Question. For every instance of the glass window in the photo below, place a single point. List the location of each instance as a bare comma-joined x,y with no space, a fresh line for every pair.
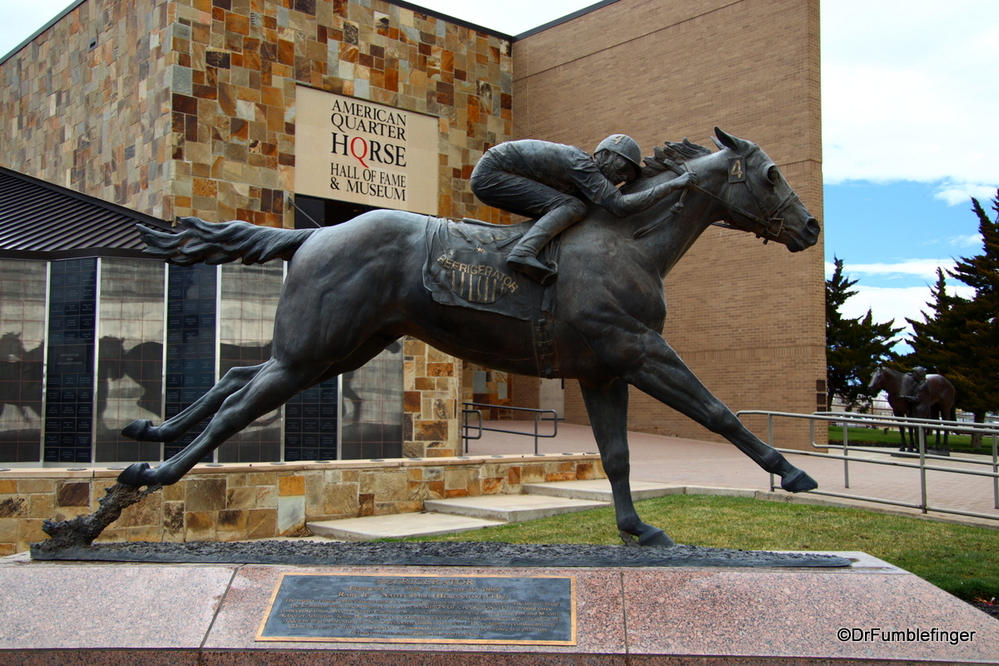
249,297
372,407
129,356
69,403
22,355
191,342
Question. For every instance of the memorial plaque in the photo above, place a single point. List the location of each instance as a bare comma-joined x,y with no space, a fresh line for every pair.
373,608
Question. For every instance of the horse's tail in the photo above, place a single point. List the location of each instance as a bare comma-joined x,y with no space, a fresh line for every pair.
210,243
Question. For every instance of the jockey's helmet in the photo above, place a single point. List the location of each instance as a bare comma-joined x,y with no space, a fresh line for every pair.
625,146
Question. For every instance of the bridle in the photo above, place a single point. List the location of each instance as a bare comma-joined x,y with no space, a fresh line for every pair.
768,227
763,226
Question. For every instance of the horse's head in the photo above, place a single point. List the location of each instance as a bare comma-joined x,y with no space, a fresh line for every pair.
758,198
877,379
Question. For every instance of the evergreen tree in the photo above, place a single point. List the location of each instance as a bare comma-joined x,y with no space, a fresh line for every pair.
960,338
853,346
935,339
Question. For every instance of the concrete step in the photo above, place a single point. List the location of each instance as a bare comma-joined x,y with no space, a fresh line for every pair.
599,490
511,508
397,526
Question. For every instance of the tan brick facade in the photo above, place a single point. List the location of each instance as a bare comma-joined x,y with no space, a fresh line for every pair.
749,320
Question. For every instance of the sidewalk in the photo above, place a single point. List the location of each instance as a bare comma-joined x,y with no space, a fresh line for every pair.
688,462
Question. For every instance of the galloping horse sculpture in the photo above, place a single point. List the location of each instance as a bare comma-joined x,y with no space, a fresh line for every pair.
354,288
932,397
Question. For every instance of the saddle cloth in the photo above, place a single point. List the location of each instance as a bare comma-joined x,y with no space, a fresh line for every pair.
466,266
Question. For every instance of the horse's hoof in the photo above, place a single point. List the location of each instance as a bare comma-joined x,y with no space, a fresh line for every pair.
798,481
137,430
653,536
656,537
136,475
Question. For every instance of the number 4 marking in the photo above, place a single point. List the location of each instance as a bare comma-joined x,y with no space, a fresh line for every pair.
735,172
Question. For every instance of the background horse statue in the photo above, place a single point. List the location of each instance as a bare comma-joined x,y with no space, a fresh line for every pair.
912,394
353,289
897,385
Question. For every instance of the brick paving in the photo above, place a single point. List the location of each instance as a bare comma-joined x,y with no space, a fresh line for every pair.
691,462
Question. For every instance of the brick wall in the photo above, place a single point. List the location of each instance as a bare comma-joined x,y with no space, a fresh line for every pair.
238,502
749,320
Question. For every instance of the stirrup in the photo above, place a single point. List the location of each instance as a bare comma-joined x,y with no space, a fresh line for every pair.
532,268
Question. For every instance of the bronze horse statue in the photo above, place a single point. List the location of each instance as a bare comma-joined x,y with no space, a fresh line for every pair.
353,289
918,396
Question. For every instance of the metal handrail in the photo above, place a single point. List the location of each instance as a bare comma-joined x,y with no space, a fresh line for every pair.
920,425
538,418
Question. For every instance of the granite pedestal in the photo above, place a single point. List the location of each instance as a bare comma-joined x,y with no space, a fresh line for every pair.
209,614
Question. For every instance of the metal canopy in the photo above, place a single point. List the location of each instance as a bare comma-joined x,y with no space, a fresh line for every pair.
39,220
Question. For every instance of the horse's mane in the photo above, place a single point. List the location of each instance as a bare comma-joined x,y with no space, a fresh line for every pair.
671,156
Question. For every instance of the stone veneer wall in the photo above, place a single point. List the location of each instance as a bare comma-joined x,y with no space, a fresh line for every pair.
749,320
238,502
187,107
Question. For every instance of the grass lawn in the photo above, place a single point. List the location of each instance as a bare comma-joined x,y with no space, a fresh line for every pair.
891,438
960,559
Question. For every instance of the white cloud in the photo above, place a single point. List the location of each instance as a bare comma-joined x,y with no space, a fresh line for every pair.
887,304
955,194
970,240
925,269
908,93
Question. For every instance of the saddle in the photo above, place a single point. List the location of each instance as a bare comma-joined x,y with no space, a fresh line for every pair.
466,267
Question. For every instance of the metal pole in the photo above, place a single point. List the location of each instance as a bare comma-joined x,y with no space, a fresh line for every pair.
846,452
995,479
536,414
770,441
922,466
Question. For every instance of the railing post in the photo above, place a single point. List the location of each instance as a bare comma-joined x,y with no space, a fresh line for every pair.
995,470
770,441
846,452
922,466
465,427
536,417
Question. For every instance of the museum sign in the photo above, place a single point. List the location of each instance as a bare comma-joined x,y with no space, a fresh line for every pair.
358,151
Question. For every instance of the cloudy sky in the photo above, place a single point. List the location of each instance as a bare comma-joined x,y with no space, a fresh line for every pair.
910,93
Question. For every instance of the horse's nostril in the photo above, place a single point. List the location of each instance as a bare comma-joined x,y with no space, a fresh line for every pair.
812,225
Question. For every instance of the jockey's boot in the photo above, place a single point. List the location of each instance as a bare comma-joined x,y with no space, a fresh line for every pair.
524,257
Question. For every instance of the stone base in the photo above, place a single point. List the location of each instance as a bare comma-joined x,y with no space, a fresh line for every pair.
85,613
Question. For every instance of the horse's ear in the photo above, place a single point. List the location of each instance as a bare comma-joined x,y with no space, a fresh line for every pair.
736,145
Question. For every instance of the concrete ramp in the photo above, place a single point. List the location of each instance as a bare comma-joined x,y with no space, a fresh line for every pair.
463,514
397,526
599,490
511,508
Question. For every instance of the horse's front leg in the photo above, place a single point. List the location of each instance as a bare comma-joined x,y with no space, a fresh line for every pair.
607,406
645,361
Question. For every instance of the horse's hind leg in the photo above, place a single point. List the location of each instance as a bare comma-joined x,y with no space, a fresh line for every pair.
272,385
607,407
170,430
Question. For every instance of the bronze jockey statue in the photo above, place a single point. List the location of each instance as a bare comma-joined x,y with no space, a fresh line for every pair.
553,182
